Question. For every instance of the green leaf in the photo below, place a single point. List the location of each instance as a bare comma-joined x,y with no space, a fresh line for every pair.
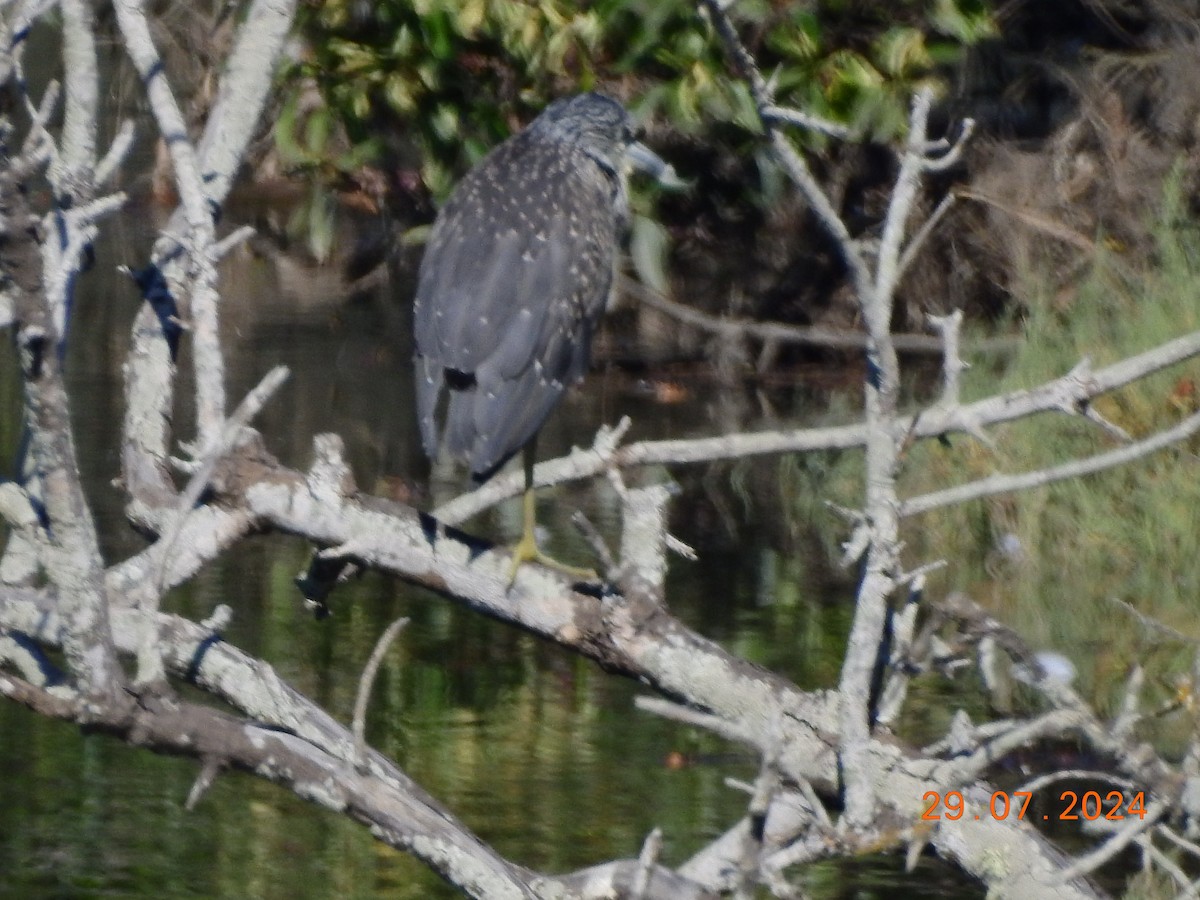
321,225
901,52
648,247
439,36
400,94
291,152
965,20
444,123
317,130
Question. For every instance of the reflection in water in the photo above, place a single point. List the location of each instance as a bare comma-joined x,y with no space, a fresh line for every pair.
537,750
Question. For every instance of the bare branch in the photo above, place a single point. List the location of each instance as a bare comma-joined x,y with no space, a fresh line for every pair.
365,684
203,470
398,815
644,539
122,142
595,540
1169,833
245,84
1093,415
788,116
198,244
687,716
1036,784
209,770
1003,484
913,250
71,554
877,304
232,240
39,145
1066,392
1152,856
814,335
149,376
949,326
647,859
793,163
150,666
73,173
594,460
1089,862
952,154
966,769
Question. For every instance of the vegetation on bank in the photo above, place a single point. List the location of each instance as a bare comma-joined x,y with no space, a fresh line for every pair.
1075,564
1057,562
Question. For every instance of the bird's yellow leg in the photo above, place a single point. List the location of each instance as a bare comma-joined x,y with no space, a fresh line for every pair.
526,549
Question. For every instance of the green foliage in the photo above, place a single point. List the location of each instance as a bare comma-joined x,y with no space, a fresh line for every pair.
455,76
442,71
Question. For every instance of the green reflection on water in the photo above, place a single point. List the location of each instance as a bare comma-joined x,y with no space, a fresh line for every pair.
538,751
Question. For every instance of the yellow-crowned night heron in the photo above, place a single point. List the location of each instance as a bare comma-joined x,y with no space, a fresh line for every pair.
516,273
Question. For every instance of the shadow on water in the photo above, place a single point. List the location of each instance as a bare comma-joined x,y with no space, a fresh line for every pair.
537,750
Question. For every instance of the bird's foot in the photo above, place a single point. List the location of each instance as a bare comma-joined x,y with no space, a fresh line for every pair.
526,550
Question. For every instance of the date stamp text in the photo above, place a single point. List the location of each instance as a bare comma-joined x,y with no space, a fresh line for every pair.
1113,806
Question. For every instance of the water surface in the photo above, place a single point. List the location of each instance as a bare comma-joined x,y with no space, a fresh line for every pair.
537,750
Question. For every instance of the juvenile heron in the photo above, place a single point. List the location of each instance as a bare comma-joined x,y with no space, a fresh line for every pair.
516,273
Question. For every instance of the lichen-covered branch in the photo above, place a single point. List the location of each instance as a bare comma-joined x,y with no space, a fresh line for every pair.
821,750
207,176
39,258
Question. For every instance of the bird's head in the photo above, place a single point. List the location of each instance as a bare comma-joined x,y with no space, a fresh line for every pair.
602,128
597,124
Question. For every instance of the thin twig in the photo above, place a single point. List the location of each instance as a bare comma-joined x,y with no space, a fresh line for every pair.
917,242
647,859
1005,484
949,327
596,541
1152,624
965,769
1036,784
234,239
1160,859
802,335
1034,220
121,144
250,407
687,716
151,668
789,116
1182,843
793,163
1089,862
365,683
1130,713
209,770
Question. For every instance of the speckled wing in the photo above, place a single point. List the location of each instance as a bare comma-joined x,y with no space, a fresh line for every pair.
516,273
